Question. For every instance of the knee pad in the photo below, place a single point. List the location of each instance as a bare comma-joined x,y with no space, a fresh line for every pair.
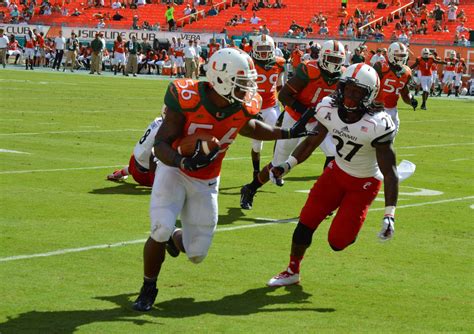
197,259
302,235
257,145
160,233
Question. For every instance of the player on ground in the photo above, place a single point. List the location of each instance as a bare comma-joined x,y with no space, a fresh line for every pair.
394,79
459,70
424,64
351,182
187,186
269,81
142,163
313,81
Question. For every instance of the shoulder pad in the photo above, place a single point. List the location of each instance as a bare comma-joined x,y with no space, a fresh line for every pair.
182,94
385,130
280,61
313,69
253,107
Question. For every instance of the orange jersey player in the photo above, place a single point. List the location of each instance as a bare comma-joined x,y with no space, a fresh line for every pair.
394,79
269,80
425,66
449,74
312,81
459,70
188,186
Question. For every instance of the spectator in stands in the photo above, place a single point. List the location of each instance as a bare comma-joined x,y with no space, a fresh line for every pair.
116,5
76,12
295,26
101,24
140,3
463,41
241,19
117,16
278,4
438,14
146,25
350,30
344,3
461,28
309,29
255,6
169,15
187,10
382,5
445,29
213,11
255,19
342,28
461,17
437,26
64,11
323,30
135,25
265,30
14,15
452,13
244,5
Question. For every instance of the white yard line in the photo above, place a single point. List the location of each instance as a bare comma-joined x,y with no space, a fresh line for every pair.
3,150
67,132
462,159
438,120
57,169
269,221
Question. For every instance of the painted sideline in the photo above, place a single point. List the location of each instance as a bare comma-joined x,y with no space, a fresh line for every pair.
265,222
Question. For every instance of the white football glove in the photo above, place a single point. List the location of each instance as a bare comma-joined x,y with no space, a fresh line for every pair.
388,228
277,173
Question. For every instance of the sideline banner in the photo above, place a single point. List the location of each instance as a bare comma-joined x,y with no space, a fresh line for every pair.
22,29
111,34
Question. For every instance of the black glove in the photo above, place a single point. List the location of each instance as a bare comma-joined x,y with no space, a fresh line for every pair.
299,128
199,160
414,103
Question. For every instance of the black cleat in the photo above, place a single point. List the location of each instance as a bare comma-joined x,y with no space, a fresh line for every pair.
246,197
146,298
423,107
171,247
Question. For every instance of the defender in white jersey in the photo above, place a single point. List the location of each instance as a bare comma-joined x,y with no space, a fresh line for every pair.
351,182
142,163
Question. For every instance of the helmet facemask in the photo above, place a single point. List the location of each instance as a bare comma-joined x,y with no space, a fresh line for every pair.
263,52
244,87
331,63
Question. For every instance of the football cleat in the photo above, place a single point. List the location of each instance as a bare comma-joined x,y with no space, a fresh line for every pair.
284,278
145,300
170,245
246,197
117,176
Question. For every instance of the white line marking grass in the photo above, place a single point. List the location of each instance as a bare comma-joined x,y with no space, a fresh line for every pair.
67,132
4,150
462,159
56,170
268,222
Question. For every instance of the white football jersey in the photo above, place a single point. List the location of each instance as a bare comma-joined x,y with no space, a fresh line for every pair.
142,150
355,153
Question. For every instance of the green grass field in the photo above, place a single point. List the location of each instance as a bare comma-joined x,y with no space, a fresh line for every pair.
82,236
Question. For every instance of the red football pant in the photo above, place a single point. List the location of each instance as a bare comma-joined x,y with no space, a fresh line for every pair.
337,189
143,178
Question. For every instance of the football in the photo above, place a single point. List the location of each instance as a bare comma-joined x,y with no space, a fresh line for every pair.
188,144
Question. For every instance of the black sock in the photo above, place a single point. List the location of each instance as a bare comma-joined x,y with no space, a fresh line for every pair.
256,165
149,281
255,184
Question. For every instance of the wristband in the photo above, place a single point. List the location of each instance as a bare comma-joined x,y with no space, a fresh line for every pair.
390,211
178,160
292,162
299,107
285,133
